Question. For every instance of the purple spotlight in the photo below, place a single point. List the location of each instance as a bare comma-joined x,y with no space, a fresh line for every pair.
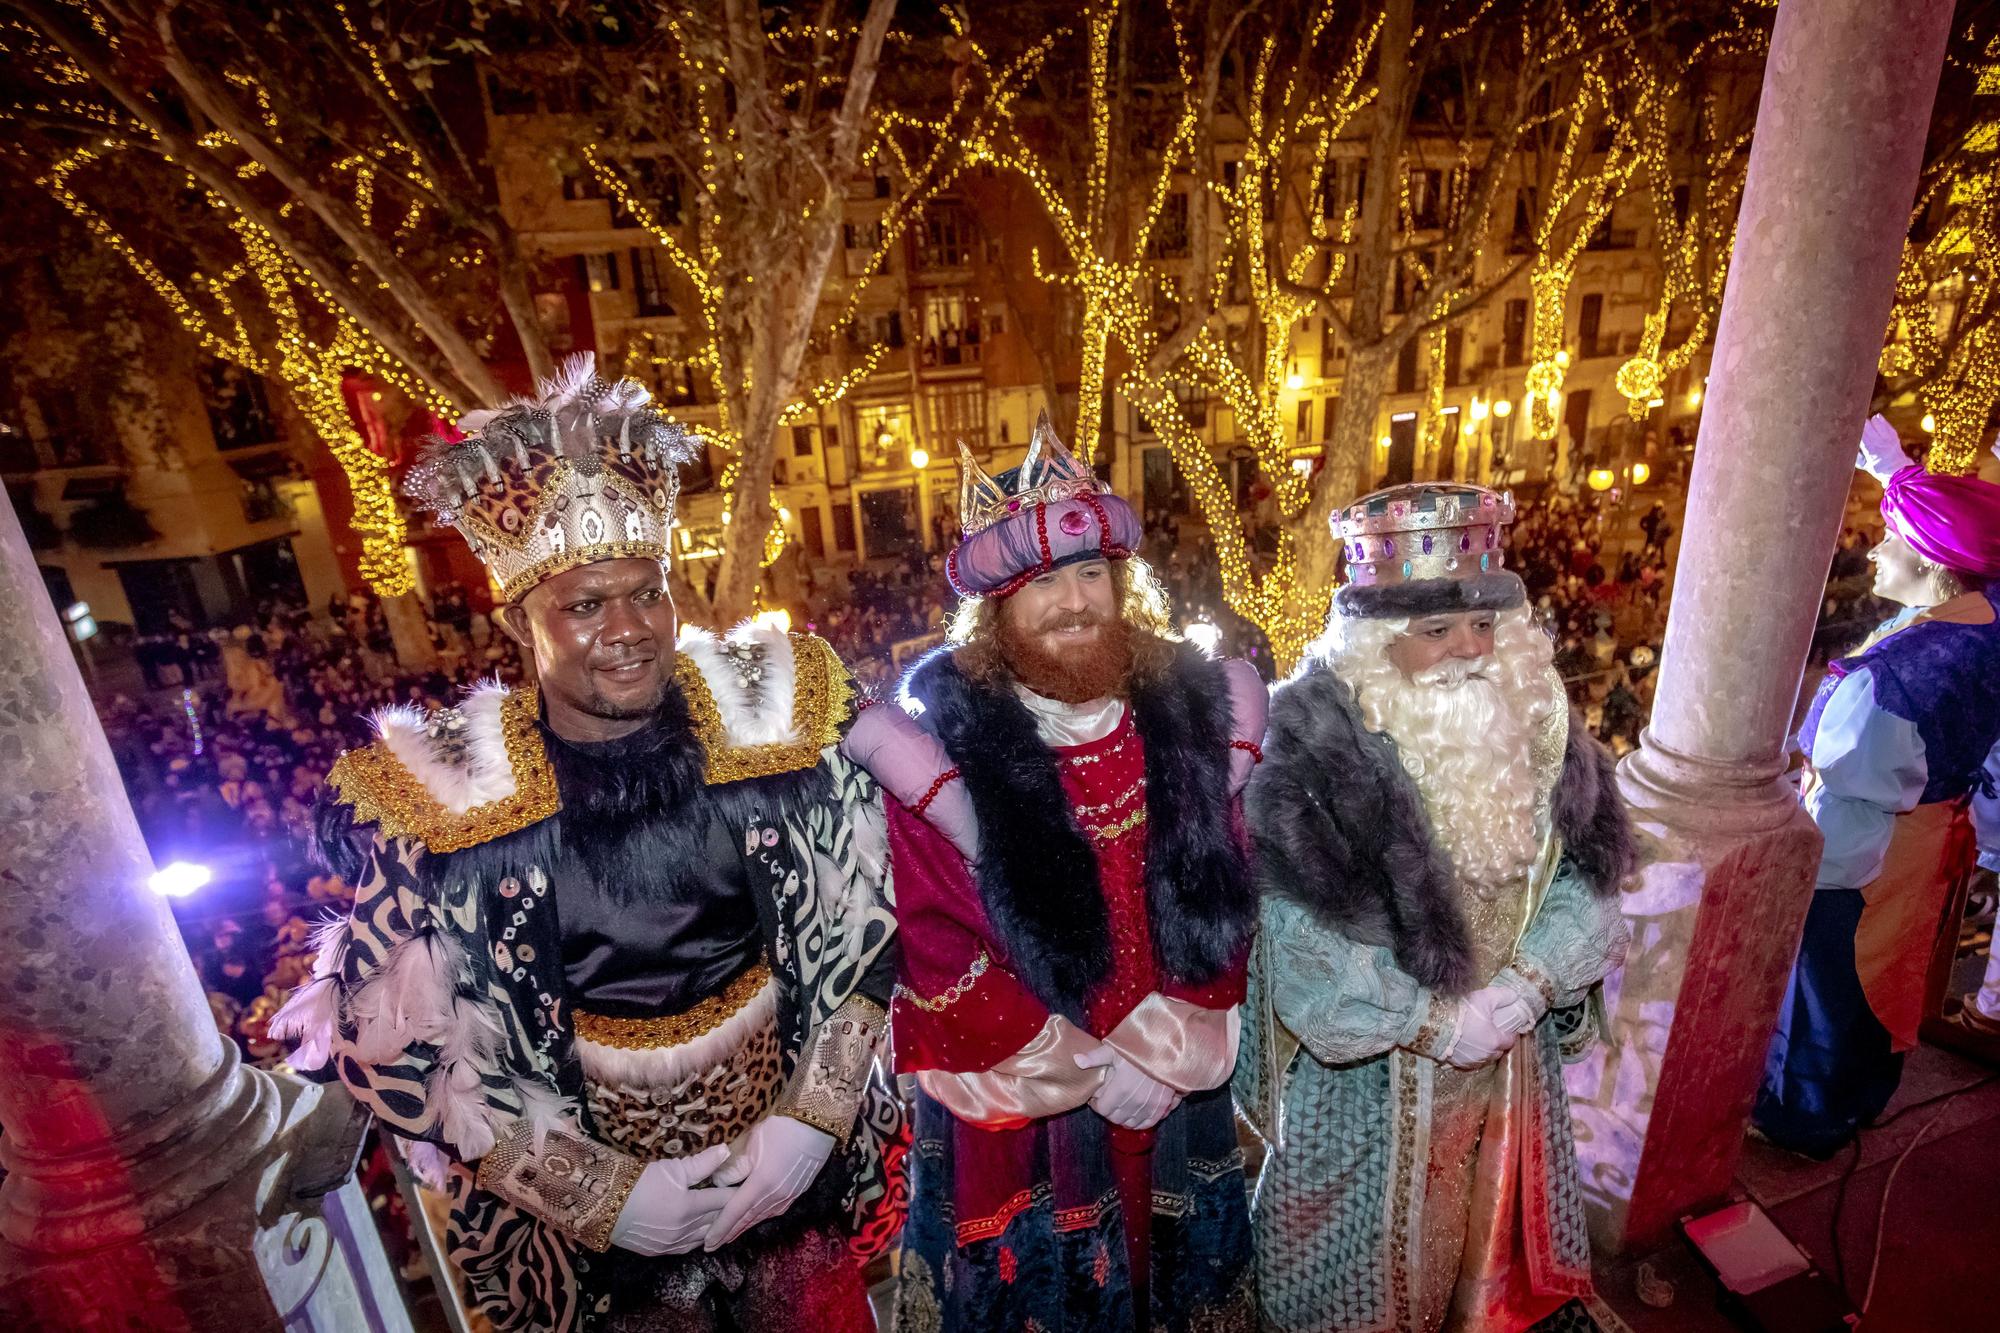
180,879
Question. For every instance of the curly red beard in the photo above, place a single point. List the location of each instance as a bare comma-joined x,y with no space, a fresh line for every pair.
1072,675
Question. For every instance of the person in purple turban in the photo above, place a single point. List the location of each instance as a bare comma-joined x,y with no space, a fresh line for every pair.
1902,747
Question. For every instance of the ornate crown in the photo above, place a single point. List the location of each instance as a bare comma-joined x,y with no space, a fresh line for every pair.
1050,511
584,471
1050,473
1429,530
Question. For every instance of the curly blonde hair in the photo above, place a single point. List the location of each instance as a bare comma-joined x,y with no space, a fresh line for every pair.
974,628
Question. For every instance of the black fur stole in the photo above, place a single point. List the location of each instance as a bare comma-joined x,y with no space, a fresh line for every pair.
632,810
1037,874
1340,828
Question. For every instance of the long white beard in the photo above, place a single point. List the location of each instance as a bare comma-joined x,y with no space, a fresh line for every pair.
1463,730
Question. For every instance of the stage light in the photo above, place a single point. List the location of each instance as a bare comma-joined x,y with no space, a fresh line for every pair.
180,879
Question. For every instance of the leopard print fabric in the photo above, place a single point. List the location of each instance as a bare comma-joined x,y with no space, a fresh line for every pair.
715,1106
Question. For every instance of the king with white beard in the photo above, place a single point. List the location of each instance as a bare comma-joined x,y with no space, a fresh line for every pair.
1440,851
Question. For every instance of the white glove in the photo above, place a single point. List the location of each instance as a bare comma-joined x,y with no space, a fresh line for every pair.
1129,1096
665,1213
773,1164
1512,1014
1882,453
1480,1040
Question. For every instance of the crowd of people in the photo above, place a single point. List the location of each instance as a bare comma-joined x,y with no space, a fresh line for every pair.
224,762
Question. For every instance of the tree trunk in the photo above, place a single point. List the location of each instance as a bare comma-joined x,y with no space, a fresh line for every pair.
375,254
407,630
518,293
765,327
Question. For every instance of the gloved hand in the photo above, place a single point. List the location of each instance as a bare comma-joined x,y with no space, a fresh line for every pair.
1505,1007
666,1213
772,1164
1480,1041
1129,1096
1882,453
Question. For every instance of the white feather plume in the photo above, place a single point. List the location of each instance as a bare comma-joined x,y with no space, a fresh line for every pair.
570,384
472,1037
328,944
429,1163
457,1105
408,999
545,1109
309,1018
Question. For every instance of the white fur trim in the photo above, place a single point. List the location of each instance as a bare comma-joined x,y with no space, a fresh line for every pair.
672,1065
756,713
481,776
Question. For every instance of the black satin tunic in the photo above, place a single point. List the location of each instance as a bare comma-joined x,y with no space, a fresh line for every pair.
646,954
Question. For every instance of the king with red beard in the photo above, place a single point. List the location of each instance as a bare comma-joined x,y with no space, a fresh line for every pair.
1075,910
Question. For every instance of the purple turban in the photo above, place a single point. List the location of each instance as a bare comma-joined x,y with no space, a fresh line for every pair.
1949,521
996,561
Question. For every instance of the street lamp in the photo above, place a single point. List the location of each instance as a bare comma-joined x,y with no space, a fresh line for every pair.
920,458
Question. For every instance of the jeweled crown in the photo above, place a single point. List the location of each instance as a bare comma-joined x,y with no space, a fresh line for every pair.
1425,530
1049,473
586,470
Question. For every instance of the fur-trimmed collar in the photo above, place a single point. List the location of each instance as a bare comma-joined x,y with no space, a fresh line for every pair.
1034,860
762,702
1340,828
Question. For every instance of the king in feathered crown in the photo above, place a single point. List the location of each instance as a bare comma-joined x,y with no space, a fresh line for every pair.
583,471
1048,512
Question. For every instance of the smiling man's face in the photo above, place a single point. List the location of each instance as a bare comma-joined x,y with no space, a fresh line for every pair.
1062,636
603,640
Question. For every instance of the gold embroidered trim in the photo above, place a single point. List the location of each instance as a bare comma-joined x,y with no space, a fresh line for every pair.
575,1184
1113,832
952,993
652,1034
821,699
382,789
1525,967
1437,1031
564,561
826,1089
1114,802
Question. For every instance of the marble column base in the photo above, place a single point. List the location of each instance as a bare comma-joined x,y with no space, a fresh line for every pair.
262,1252
1716,911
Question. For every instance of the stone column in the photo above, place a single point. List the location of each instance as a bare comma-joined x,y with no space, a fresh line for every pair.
1730,857
147,1168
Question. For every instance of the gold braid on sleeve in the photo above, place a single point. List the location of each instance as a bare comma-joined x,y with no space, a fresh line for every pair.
575,1184
825,1090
